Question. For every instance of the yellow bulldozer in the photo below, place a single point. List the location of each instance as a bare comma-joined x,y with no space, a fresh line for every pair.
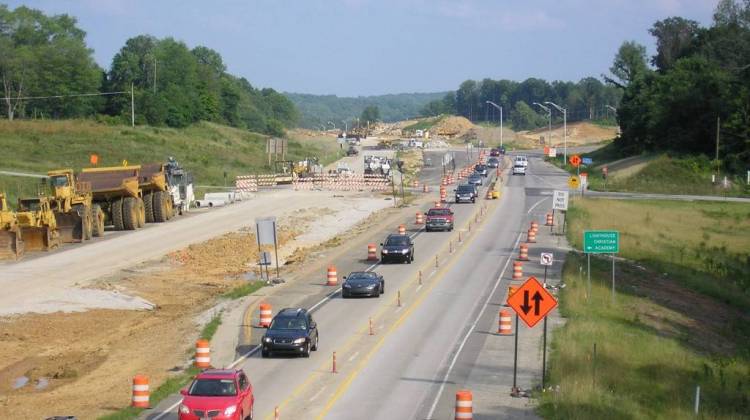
78,219
37,223
11,241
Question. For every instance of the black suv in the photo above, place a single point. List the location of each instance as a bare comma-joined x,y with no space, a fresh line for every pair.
292,331
397,248
466,193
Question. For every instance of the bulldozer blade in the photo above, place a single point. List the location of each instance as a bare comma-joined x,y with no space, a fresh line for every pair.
39,238
70,227
11,245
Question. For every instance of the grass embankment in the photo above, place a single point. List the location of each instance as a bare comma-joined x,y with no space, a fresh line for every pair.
424,123
680,318
207,150
660,174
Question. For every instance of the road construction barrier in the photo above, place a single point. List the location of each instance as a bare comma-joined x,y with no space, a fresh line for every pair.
420,218
401,230
332,276
415,183
550,220
372,252
444,181
425,188
141,393
489,194
341,182
245,184
531,236
333,364
437,205
266,315
443,194
517,270
464,406
535,227
504,327
523,252
202,354
276,413
512,290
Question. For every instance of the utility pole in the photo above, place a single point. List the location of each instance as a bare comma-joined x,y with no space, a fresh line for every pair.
718,126
565,128
132,105
549,118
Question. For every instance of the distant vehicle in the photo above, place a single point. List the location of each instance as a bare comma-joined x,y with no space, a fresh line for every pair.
352,151
502,150
475,179
292,331
219,394
493,162
397,248
466,193
481,169
439,219
519,169
495,152
521,159
363,283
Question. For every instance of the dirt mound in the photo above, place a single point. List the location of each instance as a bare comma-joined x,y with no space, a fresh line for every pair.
452,126
579,134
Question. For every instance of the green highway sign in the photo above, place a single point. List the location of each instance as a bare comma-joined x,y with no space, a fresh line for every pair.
601,241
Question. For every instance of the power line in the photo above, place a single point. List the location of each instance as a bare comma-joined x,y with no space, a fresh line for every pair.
26,98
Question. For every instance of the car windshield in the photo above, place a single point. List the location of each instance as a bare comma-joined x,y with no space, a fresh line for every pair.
213,388
439,212
465,188
397,241
492,160
519,165
285,323
361,275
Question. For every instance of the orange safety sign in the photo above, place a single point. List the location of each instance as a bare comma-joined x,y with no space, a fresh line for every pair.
532,302
94,159
575,160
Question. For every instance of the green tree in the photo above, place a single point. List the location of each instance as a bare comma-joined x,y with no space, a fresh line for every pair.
629,64
524,118
675,37
371,114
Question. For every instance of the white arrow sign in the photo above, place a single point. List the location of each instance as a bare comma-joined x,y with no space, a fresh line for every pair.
546,258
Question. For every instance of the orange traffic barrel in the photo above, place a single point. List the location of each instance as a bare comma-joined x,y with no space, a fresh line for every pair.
415,184
401,230
531,236
437,204
464,409
140,392
523,252
489,194
332,276
517,270
504,327
420,218
372,252
202,354
425,188
535,227
266,314
550,220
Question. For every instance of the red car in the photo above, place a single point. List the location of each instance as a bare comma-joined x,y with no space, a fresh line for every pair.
219,394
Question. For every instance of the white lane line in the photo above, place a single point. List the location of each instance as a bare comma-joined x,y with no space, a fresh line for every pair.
476,320
354,356
317,394
419,287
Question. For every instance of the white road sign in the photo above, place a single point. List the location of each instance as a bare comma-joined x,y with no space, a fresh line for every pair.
546,258
552,152
560,200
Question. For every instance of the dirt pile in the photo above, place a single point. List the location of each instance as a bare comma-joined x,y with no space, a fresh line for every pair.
452,126
579,134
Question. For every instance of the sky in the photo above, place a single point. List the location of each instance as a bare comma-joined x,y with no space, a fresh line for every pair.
368,47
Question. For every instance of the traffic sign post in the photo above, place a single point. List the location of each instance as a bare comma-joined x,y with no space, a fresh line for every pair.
601,242
559,202
546,260
532,302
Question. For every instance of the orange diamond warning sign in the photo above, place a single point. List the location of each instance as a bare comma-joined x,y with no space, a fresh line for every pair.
532,302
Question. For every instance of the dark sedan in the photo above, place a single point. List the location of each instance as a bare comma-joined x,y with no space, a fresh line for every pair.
493,162
481,169
475,179
397,248
363,283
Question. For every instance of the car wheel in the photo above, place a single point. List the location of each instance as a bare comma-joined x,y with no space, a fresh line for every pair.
344,295
315,346
306,353
473,200
265,354
382,289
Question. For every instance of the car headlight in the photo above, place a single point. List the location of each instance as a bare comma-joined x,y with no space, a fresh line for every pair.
371,286
385,251
299,340
230,410
404,251
184,409
267,339
347,285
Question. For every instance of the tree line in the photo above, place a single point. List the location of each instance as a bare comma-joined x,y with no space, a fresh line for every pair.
172,85
587,99
695,89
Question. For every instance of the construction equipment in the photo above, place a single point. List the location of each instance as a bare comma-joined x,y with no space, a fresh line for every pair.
117,192
37,224
308,167
11,241
77,218
180,184
156,197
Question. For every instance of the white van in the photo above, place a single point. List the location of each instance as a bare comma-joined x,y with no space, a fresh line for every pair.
521,160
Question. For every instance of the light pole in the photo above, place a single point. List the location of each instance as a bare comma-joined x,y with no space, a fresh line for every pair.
565,128
334,125
615,111
501,120
549,119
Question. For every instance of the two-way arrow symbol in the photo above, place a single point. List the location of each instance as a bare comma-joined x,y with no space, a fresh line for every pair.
537,298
